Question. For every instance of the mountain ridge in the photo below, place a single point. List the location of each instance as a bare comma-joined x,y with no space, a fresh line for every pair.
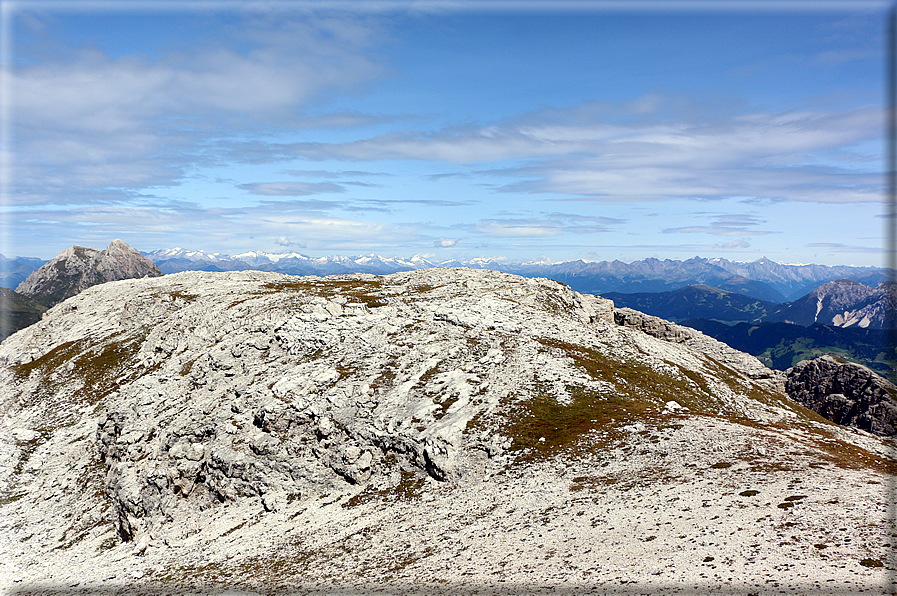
839,303
763,279
842,303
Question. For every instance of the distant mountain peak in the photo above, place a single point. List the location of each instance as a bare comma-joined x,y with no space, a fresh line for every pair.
78,268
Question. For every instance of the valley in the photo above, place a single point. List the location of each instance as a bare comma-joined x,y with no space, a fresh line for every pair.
843,318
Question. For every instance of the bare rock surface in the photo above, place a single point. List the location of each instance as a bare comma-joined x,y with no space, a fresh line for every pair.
846,393
443,430
78,268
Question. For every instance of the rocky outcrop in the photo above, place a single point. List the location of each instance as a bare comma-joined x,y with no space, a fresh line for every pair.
845,393
78,268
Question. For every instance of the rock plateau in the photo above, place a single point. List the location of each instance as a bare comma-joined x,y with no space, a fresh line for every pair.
439,431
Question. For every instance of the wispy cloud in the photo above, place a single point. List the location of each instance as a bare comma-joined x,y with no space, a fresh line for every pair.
848,55
239,228
293,189
725,224
847,248
654,148
428,202
331,174
554,224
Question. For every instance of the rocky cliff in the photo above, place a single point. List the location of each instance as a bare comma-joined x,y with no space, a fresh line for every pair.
451,431
845,393
78,268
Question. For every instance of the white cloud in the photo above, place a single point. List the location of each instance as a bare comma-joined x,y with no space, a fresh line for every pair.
740,243
446,242
845,248
682,152
92,121
553,224
218,229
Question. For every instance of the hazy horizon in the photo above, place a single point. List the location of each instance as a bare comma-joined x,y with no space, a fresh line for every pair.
435,258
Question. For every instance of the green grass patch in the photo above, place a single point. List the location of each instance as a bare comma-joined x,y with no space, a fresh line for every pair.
103,371
97,364
543,424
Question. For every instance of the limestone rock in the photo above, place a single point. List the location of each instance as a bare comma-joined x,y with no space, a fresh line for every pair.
455,425
717,350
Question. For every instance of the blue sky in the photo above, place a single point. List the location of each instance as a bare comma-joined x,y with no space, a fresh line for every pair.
454,130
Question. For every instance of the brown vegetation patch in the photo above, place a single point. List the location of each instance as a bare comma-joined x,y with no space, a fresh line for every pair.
542,424
365,291
410,487
49,361
178,295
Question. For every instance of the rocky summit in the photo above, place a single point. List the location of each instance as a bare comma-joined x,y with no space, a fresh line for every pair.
436,431
78,268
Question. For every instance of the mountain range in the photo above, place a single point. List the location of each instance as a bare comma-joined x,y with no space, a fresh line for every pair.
840,303
14,271
762,279
844,318
439,431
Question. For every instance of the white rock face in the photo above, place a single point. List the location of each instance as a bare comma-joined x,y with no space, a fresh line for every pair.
441,429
